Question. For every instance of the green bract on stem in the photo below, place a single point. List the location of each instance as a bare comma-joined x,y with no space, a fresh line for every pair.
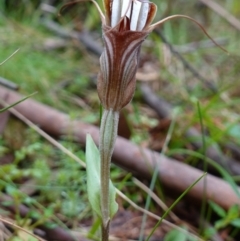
108,135
125,25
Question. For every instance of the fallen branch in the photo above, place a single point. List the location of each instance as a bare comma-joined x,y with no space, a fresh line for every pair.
140,161
164,110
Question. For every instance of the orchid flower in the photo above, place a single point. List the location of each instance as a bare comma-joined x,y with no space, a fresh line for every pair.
125,25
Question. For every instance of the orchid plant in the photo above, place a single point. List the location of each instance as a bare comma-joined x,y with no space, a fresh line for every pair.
125,25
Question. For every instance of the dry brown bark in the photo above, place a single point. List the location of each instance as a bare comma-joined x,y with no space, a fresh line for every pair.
140,161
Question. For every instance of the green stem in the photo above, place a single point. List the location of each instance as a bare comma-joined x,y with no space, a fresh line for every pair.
108,135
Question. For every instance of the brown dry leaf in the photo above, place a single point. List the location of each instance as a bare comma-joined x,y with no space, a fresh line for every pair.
158,134
148,72
127,225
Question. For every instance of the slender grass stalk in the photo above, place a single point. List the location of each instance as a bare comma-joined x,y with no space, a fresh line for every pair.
174,204
4,61
205,165
12,105
154,178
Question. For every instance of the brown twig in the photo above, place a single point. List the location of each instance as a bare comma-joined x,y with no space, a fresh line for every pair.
8,83
191,47
222,12
140,161
20,228
186,64
85,38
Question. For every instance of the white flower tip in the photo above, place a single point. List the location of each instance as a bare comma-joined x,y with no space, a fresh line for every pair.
135,10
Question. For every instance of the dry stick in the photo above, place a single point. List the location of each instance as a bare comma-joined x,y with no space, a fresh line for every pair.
156,199
85,38
164,110
8,83
22,229
186,64
5,232
140,161
171,225
203,44
222,12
